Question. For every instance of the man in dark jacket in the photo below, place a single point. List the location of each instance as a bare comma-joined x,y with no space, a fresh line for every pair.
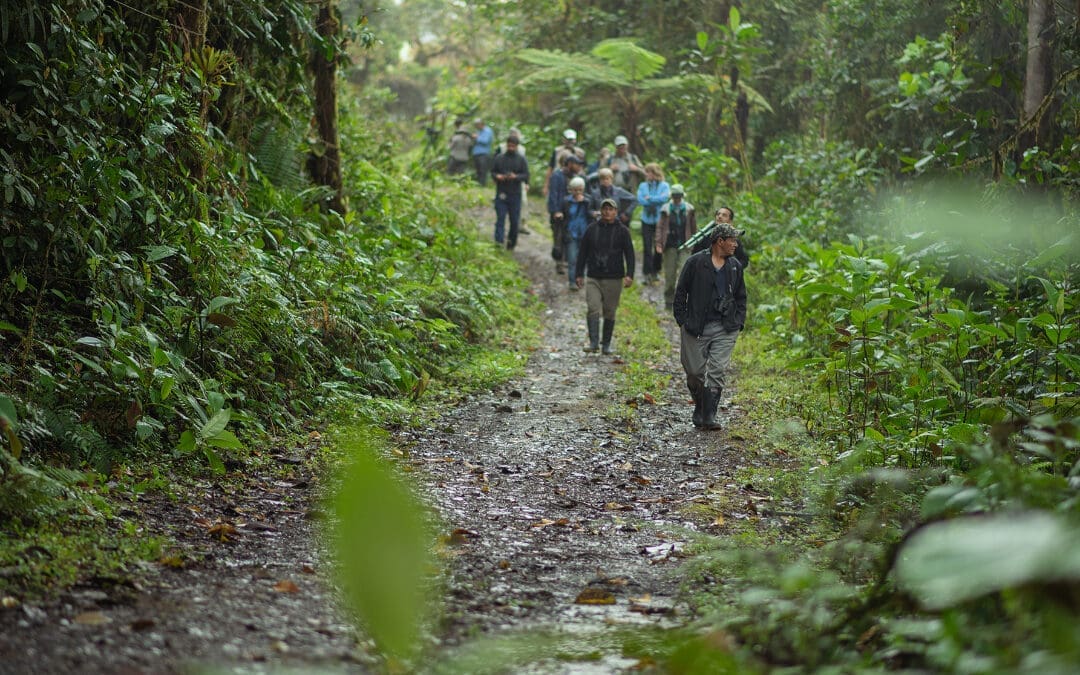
710,306
607,255
510,172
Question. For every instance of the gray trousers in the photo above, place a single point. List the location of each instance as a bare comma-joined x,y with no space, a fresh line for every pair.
602,297
706,358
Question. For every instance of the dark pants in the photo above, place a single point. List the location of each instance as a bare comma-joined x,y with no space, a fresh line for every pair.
649,263
482,164
508,203
558,238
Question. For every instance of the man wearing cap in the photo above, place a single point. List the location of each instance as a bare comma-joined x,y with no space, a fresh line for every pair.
625,166
607,258
678,222
558,191
510,171
559,155
710,307
483,139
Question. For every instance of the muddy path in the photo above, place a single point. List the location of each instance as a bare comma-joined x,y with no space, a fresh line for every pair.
560,512
557,514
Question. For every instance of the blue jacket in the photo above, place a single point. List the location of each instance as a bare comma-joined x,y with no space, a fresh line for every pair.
652,195
577,216
558,189
484,139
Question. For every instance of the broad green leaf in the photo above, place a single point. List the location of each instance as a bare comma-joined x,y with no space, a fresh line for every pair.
1070,361
216,465
187,442
734,19
225,439
91,341
958,560
167,387
702,40
11,328
383,547
215,425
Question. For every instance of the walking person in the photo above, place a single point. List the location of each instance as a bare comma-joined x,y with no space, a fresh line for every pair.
460,149
710,308
558,190
606,189
576,212
605,266
558,156
483,139
678,222
651,195
510,171
625,165
725,215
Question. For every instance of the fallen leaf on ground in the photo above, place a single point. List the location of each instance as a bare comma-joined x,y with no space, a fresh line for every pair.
222,531
286,586
92,619
594,596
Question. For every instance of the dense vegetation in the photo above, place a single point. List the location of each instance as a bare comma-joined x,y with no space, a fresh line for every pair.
175,282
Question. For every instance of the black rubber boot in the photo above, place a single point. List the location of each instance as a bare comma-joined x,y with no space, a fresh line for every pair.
710,400
605,342
593,322
699,407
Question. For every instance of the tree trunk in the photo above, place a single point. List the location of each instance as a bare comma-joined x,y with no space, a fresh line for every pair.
325,163
1039,76
189,31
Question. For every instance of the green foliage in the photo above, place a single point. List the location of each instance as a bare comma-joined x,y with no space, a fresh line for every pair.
383,546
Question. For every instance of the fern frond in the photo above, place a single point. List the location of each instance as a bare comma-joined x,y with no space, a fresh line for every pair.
634,62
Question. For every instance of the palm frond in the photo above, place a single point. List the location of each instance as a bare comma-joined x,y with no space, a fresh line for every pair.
557,66
634,62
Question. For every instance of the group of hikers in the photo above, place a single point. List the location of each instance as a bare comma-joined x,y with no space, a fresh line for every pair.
590,212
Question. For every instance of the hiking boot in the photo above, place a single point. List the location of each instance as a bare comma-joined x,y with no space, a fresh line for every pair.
710,399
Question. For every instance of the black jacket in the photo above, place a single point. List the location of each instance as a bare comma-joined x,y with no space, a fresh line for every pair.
510,163
696,290
607,250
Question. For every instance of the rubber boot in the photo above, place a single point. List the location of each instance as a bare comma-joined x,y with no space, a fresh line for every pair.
710,400
699,407
593,322
605,343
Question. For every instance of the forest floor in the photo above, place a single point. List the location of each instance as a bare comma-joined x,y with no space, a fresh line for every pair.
561,512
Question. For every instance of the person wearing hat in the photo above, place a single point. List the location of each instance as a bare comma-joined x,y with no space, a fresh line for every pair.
605,266
558,155
725,215
483,139
710,307
678,222
511,172
625,166
558,190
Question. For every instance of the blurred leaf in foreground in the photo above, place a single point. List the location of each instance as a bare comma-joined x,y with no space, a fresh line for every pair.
383,547
957,560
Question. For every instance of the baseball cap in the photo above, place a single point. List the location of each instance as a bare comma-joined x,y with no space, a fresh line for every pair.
621,140
678,189
726,231
609,202
570,135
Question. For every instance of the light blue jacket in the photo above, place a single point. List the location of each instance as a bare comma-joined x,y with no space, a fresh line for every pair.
484,139
652,195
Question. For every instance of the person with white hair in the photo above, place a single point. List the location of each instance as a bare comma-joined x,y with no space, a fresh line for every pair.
576,216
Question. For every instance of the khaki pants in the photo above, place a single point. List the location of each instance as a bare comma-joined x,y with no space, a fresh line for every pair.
602,297
674,259
705,359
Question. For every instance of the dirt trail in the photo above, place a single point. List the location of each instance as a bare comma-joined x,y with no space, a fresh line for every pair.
544,499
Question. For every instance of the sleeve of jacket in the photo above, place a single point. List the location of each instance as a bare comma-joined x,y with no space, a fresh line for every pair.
584,251
680,302
555,189
691,222
738,287
628,251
